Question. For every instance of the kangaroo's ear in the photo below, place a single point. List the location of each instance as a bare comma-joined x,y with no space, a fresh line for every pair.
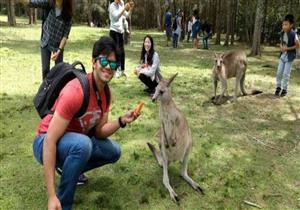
172,79
215,54
223,55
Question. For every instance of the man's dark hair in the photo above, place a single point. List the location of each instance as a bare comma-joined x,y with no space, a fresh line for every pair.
289,18
104,46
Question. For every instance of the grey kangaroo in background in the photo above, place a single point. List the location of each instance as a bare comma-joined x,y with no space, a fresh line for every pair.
228,65
175,143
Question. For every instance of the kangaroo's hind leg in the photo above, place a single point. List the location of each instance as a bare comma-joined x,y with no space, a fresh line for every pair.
242,84
166,181
185,175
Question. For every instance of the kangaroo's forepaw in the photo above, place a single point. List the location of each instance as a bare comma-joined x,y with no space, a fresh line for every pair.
174,144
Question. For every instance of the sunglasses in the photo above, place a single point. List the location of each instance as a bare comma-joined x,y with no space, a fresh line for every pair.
114,65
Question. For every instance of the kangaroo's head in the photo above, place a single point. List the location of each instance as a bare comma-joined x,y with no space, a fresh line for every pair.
163,90
218,61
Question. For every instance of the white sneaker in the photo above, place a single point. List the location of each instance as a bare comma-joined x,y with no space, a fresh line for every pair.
123,73
118,74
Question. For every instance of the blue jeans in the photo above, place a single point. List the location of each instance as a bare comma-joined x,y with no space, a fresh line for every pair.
175,40
205,40
77,153
283,72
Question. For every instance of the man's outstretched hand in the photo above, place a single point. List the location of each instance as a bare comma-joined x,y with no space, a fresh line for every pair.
129,117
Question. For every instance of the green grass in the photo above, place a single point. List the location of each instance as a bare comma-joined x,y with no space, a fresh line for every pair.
226,160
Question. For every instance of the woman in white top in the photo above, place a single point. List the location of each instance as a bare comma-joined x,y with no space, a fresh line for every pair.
117,12
189,28
149,69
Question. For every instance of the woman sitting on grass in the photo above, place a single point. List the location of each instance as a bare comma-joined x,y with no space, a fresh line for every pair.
149,71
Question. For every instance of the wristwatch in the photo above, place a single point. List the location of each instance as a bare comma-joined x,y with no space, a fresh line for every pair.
122,125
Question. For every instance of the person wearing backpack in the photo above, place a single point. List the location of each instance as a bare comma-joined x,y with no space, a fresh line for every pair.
177,28
206,28
195,31
77,144
289,43
57,21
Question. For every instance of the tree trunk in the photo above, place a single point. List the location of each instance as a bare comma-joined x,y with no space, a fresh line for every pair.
87,10
11,17
233,21
158,15
218,23
247,25
174,5
228,22
264,22
260,9
214,15
32,16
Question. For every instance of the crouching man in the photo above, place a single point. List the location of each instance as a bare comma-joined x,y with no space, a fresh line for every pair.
62,141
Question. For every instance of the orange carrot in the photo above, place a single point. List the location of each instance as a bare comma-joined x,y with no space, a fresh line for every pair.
137,110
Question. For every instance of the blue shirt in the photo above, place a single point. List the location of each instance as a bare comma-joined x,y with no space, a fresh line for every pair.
168,19
196,27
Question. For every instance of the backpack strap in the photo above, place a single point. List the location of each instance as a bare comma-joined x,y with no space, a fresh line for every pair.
86,93
76,63
106,92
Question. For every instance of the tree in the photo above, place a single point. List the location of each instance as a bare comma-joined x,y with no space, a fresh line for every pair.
256,40
32,15
158,14
228,22
11,17
218,22
233,20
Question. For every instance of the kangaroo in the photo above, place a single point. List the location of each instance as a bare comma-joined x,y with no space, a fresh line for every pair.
228,65
175,143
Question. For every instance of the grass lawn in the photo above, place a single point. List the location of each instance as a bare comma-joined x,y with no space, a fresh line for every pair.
248,150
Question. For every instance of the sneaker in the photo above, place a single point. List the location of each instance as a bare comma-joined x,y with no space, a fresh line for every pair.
82,179
277,92
118,74
123,73
283,93
58,170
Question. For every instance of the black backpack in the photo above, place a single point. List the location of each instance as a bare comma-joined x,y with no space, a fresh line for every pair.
174,26
54,82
